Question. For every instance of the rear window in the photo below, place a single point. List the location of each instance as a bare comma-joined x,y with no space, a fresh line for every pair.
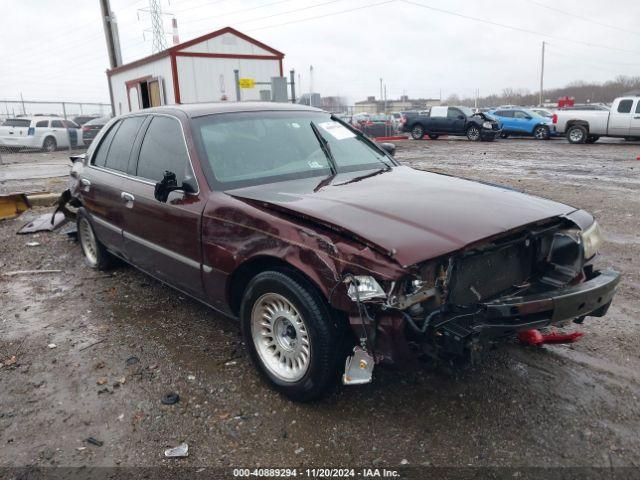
120,150
100,157
57,124
17,122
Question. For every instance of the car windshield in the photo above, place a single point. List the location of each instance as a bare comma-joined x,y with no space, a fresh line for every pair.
253,148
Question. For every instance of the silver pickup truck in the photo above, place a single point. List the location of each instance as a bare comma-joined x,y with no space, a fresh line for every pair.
587,126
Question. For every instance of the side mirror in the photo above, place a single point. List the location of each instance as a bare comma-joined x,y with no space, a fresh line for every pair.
165,186
390,148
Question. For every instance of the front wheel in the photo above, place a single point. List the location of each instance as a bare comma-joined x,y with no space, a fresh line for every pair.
504,135
291,335
473,133
577,134
417,132
541,132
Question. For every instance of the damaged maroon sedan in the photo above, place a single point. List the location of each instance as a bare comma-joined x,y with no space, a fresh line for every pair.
333,256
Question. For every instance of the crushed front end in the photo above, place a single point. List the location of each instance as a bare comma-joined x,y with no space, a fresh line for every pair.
458,305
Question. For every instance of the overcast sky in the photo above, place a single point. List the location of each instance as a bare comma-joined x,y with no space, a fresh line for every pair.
55,50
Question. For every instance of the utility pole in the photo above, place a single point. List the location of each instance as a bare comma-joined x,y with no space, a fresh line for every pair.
542,76
380,89
108,22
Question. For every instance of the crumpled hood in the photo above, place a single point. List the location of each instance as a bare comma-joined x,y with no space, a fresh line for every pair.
415,214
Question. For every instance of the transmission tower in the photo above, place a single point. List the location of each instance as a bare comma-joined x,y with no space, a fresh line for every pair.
159,38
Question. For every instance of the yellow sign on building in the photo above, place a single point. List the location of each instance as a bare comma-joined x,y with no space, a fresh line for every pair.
247,82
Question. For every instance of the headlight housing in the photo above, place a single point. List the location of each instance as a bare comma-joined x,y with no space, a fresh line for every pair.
591,240
363,287
487,125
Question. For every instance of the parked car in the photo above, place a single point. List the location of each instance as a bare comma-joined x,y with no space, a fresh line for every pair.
82,119
45,133
378,125
460,121
521,121
333,256
92,127
587,126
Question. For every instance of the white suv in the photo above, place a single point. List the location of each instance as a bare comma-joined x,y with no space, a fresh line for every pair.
46,133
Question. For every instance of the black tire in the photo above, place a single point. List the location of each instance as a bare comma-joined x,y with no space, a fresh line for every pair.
417,132
473,133
577,134
541,132
433,136
94,252
49,144
504,135
325,334
592,139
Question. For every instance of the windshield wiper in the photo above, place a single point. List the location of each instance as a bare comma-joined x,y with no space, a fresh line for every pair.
362,177
326,149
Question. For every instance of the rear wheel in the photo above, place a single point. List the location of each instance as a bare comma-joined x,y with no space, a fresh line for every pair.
433,136
49,144
95,254
592,139
417,132
504,135
291,335
541,132
473,133
577,134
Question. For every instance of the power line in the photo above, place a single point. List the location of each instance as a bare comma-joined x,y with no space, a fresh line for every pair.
580,17
323,16
518,29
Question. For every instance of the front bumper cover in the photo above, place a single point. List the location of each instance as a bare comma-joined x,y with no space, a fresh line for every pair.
591,297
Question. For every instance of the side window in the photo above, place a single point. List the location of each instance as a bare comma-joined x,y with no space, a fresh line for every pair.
120,150
625,106
57,124
70,124
520,114
100,157
163,149
453,113
507,113
638,107
42,124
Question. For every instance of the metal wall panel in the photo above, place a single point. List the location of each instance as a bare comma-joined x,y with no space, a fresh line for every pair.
227,43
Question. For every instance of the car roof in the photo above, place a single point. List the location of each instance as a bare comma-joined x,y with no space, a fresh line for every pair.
194,110
37,117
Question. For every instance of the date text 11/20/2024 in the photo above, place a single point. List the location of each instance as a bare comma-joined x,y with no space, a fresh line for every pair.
316,473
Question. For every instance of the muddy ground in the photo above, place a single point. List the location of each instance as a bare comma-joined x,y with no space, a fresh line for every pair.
123,341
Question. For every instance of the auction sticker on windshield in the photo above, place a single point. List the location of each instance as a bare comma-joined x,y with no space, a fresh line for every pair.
337,131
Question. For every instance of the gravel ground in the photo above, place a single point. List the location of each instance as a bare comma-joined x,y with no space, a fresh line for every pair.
123,341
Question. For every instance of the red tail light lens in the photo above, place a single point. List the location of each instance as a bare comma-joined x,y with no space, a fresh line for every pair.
554,119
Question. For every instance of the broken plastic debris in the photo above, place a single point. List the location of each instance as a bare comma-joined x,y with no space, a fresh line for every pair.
180,451
32,244
44,223
52,345
131,361
191,377
170,399
94,441
101,381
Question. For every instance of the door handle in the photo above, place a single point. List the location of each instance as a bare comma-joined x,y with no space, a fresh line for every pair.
86,184
128,199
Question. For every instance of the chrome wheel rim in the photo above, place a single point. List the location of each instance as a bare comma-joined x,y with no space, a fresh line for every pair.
49,145
88,242
280,337
575,135
417,132
540,132
474,133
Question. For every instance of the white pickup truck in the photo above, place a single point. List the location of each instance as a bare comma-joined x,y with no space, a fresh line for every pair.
587,126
